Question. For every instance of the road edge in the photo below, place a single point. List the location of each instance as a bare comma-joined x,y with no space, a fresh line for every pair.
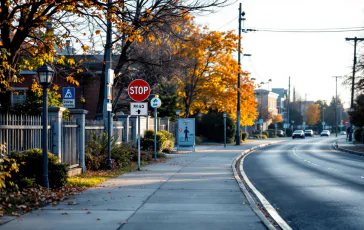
248,185
338,148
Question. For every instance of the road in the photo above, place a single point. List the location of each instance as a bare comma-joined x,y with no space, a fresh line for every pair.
311,185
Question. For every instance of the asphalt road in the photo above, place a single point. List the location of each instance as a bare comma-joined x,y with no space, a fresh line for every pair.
312,185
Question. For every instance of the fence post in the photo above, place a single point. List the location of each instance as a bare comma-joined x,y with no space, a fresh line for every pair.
125,119
55,116
80,115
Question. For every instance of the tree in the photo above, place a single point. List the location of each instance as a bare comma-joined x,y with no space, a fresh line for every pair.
313,114
277,119
295,114
357,116
208,77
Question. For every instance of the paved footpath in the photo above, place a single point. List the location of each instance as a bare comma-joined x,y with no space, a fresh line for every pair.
189,191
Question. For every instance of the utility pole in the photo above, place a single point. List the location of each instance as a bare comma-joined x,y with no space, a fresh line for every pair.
241,15
108,87
288,101
336,106
352,82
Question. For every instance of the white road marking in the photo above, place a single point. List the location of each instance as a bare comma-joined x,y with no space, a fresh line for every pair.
310,162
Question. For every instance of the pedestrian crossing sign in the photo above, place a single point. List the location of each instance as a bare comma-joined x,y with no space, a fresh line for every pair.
68,93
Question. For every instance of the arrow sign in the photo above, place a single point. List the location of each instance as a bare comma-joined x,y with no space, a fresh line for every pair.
155,102
139,108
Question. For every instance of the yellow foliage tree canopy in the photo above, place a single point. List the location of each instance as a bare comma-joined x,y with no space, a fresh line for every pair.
313,114
209,79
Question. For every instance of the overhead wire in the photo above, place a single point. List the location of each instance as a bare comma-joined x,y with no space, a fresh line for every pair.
322,30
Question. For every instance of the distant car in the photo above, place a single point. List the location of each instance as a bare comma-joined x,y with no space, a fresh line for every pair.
298,134
325,133
280,133
342,133
309,132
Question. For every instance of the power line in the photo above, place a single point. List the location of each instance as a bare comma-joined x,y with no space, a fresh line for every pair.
228,23
327,30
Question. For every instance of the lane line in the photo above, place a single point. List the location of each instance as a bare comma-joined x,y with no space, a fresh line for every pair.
318,165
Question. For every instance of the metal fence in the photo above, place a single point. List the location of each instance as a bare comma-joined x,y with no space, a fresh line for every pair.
93,126
70,142
20,133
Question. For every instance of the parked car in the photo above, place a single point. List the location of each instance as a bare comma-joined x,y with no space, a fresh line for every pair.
280,133
309,132
325,133
342,133
298,134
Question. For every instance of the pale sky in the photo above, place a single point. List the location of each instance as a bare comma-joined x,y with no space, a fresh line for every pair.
311,59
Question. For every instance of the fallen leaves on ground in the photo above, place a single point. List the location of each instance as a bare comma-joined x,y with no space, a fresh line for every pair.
17,203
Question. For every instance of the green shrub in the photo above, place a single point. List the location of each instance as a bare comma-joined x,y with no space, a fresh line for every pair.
357,133
144,156
165,141
258,136
245,136
198,140
265,133
161,155
96,151
32,169
212,127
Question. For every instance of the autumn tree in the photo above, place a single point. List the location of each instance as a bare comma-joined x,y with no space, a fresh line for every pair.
277,119
313,114
208,77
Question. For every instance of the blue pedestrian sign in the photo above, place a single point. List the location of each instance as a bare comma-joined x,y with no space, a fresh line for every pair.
260,121
68,95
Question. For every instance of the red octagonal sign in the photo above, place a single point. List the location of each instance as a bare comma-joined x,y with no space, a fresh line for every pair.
138,90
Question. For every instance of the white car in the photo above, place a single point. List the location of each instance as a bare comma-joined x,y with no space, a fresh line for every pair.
325,133
299,134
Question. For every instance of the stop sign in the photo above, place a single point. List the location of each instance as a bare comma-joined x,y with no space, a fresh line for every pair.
138,90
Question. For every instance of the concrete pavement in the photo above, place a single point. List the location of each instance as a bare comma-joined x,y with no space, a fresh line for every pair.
349,147
189,191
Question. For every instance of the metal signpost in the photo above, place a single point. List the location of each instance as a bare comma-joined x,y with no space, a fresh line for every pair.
155,103
68,95
186,133
304,125
139,90
323,125
224,130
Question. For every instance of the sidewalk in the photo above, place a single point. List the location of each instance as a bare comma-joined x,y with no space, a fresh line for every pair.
189,191
349,147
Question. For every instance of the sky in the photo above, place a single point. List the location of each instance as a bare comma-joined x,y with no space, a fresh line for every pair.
310,59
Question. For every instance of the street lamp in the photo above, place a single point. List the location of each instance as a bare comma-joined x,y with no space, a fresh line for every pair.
45,77
292,125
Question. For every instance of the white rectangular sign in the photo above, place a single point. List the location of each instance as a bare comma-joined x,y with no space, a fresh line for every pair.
139,108
109,107
69,103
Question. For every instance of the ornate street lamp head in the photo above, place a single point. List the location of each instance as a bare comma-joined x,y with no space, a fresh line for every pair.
45,75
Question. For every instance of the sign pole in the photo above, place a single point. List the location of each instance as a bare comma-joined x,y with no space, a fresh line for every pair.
224,130
155,133
139,143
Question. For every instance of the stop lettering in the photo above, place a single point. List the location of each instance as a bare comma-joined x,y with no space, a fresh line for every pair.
139,90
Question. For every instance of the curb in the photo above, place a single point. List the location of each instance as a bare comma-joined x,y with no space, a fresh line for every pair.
269,208
336,146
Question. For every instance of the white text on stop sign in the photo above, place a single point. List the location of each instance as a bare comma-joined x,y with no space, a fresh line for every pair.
138,89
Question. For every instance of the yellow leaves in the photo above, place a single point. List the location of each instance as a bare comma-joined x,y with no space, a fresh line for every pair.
148,11
1,43
71,80
55,87
151,37
158,42
97,32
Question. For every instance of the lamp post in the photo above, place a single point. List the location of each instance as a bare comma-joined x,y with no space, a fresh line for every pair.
45,77
224,115
178,112
292,125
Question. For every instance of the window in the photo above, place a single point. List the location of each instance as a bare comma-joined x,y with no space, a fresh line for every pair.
19,95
